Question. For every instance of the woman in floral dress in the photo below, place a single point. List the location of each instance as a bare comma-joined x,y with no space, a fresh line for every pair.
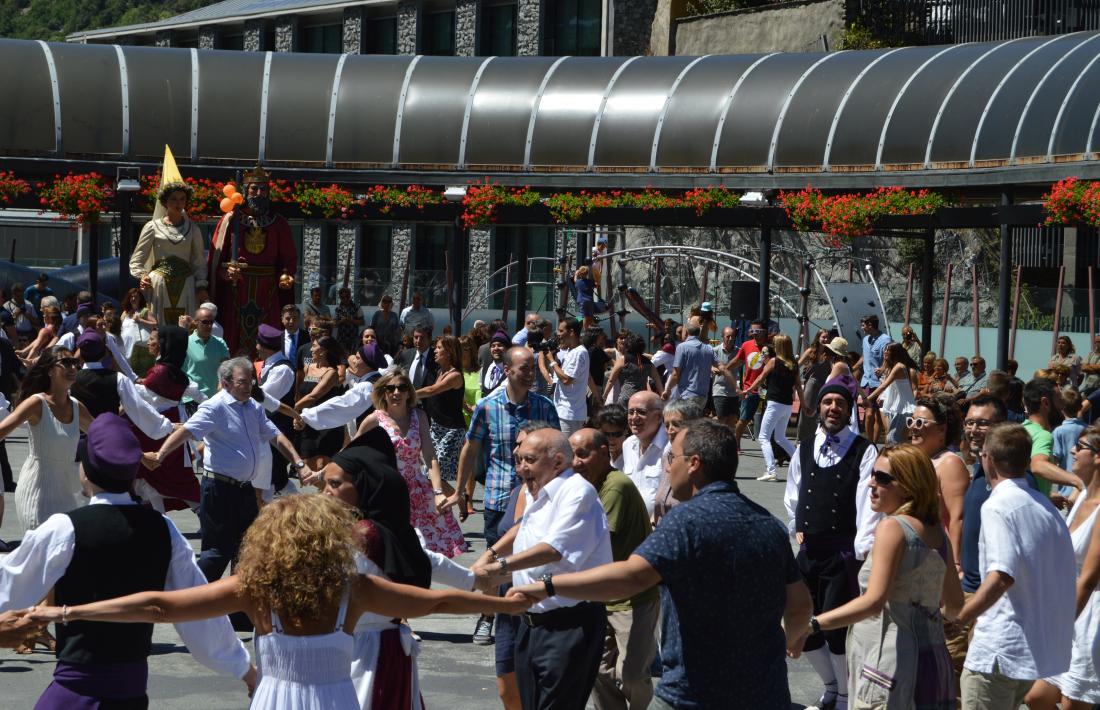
395,411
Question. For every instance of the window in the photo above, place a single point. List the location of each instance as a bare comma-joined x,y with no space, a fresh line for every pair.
439,34
429,267
498,31
382,35
321,39
573,27
505,246
374,263
232,42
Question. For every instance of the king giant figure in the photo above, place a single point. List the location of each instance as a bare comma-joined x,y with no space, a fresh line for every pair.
252,275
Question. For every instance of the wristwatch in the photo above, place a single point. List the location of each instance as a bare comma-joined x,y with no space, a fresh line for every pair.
548,583
815,625
503,562
299,465
437,491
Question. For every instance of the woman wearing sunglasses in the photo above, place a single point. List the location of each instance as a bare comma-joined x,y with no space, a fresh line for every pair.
897,655
1079,687
395,411
935,428
896,391
49,481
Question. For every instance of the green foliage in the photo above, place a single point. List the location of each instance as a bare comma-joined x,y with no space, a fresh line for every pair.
54,19
856,36
707,7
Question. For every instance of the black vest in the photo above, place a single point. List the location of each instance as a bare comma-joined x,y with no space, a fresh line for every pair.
283,423
827,496
119,550
98,390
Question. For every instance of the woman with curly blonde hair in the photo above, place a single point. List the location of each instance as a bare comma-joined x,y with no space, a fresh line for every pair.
297,581
897,654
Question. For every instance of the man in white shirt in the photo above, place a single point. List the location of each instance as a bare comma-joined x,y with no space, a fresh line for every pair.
277,383
88,315
1024,609
107,549
563,529
417,315
831,519
568,370
643,451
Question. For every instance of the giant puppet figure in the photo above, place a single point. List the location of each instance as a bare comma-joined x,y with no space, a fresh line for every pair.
251,286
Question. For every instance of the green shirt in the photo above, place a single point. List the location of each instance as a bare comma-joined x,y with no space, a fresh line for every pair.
202,361
628,522
1042,443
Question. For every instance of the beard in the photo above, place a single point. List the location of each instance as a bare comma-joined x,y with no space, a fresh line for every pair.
258,204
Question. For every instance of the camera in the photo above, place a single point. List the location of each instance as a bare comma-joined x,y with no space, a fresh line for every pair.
548,345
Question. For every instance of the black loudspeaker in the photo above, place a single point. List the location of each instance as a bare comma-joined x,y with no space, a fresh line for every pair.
744,300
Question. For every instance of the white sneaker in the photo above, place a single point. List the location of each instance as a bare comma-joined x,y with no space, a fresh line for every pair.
767,477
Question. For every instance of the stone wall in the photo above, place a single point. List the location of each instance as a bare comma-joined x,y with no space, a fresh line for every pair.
481,259
255,36
311,255
467,13
286,34
633,23
789,27
210,37
164,38
400,253
348,236
355,25
408,27
529,28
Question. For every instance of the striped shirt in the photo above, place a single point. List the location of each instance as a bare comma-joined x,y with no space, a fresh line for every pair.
494,424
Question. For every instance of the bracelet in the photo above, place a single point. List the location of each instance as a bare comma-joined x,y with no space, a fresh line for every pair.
493,553
815,625
64,614
503,562
437,491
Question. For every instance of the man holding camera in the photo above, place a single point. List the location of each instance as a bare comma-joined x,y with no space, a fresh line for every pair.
568,369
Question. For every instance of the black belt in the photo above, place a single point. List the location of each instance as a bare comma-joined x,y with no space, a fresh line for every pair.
227,479
563,617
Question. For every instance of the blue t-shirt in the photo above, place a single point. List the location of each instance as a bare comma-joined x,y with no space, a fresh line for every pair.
694,359
725,563
873,354
1065,438
976,496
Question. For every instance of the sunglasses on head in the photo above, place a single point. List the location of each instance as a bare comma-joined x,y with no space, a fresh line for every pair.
882,478
403,387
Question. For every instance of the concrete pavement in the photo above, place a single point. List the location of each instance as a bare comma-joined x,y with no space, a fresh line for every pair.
454,673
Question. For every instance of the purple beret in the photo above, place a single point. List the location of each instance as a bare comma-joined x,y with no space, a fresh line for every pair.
373,357
844,385
91,346
111,453
501,337
270,337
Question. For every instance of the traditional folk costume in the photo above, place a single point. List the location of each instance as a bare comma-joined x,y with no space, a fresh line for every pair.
171,485
173,258
266,255
827,502
108,549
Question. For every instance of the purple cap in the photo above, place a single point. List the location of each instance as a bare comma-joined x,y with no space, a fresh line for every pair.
86,309
111,453
91,346
270,337
501,337
373,357
844,385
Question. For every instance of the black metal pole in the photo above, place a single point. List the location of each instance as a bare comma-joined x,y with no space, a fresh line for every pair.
1004,303
928,278
93,260
765,273
521,278
454,275
125,240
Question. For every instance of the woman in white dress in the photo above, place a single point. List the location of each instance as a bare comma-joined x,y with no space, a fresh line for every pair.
896,391
1079,687
936,429
296,579
169,259
49,481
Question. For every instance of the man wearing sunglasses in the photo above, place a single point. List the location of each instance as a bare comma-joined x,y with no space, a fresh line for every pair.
831,519
205,351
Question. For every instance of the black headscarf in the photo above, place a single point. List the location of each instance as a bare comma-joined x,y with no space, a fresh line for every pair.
173,350
371,462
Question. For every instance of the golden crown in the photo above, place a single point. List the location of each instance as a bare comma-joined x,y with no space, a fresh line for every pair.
256,175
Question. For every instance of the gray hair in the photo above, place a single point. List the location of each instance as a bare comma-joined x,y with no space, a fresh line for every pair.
49,302
208,306
533,426
688,409
228,367
694,329
558,443
714,444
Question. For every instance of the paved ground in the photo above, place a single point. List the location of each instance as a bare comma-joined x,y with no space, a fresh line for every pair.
454,673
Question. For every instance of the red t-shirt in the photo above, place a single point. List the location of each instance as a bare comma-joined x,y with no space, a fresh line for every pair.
753,362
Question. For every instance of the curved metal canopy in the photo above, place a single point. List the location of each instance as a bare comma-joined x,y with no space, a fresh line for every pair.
969,114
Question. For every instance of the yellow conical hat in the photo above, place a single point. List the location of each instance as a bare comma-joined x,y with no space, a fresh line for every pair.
168,173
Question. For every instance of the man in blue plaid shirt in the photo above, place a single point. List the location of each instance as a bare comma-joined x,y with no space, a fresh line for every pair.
493,428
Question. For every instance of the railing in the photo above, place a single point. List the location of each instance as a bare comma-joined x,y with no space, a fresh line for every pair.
956,21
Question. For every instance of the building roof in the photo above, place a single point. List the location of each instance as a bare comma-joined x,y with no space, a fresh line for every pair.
977,114
218,13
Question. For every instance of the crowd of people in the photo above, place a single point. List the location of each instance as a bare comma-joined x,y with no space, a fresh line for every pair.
936,553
